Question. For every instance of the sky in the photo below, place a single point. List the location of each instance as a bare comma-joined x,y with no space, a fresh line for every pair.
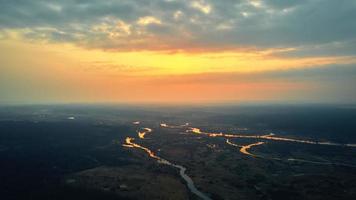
177,51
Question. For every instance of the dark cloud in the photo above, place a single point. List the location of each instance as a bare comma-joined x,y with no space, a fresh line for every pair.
227,24
345,48
281,4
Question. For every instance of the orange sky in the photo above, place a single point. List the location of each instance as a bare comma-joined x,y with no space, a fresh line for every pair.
43,72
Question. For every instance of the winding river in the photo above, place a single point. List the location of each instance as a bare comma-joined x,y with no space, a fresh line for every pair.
244,150
270,136
129,142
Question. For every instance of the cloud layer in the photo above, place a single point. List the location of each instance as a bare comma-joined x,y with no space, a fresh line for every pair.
199,25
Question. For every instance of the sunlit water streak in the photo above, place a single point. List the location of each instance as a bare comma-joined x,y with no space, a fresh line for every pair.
244,148
270,136
233,144
174,126
141,134
182,170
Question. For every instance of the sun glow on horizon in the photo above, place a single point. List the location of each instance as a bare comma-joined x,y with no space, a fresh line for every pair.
154,76
156,63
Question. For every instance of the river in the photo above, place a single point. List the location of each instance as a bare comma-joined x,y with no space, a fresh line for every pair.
189,182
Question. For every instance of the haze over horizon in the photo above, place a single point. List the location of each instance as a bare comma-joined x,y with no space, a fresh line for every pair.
177,51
